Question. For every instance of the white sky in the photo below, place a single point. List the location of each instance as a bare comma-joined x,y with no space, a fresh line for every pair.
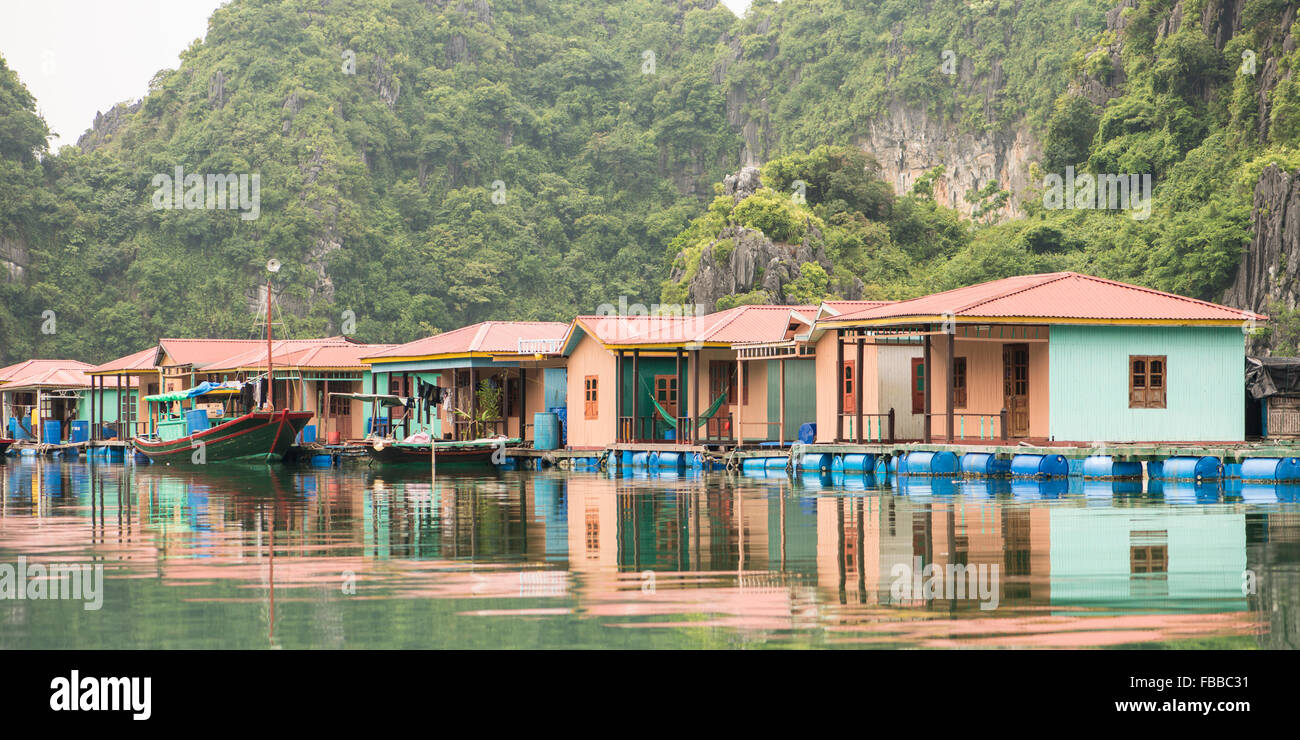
82,56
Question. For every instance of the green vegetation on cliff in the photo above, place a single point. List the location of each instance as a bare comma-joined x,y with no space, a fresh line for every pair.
425,164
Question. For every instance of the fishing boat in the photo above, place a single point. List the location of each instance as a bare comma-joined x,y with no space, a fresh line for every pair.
188,437
257,436
477,452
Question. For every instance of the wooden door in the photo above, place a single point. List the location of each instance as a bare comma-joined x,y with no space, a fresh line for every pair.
848,388
666,393
918,385
1015,388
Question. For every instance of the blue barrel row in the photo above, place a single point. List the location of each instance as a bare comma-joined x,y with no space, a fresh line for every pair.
1039,467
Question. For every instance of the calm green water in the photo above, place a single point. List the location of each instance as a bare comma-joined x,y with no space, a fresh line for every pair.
267,557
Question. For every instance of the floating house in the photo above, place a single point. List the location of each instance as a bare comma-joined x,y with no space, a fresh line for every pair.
630,375
117,407
1273,397
1053,358
42,399
324,376
498,374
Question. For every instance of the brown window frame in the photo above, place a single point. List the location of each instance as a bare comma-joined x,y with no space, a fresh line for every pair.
849,376
591,396
959,382
1142,393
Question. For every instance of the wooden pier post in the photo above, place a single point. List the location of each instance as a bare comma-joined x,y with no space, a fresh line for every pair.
926,374
636,398
839,382
857,392
782,421
952,348
618,397
677,407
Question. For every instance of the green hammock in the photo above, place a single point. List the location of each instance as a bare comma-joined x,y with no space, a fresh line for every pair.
704,418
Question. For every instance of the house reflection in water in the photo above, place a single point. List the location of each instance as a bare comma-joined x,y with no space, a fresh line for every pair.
1165,558
1273,554
768,558
866,543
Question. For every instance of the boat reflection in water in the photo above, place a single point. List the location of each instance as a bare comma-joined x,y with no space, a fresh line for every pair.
258,556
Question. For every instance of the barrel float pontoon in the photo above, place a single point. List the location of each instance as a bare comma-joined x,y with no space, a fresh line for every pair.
930,464
1040,466
1271,469
819,462
1192,468
1105,467
984,465
854,463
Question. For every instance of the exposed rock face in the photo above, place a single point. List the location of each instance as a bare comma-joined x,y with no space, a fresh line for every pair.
754,262
1270,270
107,125
741,260
743,184
908,142
14,259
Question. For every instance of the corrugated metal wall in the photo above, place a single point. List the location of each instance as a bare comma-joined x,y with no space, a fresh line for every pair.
800,395
1206,389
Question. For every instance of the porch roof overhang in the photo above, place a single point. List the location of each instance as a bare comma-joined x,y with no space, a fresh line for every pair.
796,348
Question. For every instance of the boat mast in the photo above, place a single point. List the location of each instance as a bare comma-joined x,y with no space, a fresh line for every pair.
270,384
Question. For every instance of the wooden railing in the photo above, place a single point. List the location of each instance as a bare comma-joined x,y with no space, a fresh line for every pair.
971,425
719,428
875,427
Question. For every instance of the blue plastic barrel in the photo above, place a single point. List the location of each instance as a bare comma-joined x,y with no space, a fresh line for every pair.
775,463
321,461
819,462
196,420
1040,466
640,459
1108,468
984,465
563,413
1192,468
546,431
808,432
1271,469
79,431
53,432
858,463
931,463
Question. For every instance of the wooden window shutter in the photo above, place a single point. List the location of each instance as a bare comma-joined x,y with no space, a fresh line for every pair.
590,398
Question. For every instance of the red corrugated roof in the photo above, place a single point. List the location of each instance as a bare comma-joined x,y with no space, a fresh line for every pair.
840,307
1057,295
138,361
762,323
45,374
494,337
302,354
223,354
